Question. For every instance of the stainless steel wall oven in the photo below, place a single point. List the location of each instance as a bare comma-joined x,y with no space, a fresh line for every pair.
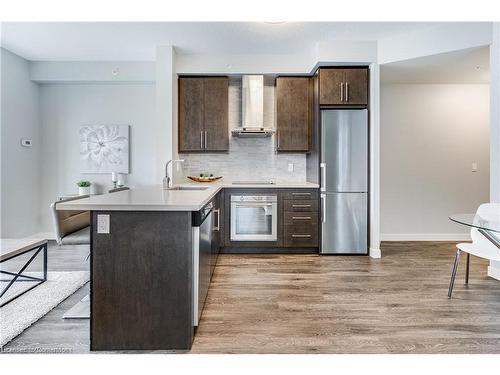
254,218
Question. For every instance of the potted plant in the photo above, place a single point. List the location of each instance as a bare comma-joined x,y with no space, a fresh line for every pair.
83,187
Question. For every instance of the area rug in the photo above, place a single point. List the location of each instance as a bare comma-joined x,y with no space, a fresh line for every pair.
19,314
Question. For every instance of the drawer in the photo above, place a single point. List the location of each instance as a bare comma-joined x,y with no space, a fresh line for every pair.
293,218
301,194
300,205
301,236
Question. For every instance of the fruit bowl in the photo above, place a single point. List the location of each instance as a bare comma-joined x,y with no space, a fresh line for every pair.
204,179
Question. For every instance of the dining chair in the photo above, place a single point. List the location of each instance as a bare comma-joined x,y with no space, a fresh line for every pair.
481,246
71,227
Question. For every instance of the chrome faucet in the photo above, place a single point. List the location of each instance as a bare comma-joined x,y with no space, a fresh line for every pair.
167,181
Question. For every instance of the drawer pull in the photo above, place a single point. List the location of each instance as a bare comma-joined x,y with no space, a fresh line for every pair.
301,236
301,217
301,205
301,194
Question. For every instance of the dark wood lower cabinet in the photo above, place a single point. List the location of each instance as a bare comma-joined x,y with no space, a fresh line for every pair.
301,218
141,282
298,222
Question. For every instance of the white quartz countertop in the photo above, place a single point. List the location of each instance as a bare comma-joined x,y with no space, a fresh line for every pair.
155,198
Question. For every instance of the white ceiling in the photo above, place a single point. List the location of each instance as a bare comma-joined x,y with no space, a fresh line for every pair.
137,41
464,66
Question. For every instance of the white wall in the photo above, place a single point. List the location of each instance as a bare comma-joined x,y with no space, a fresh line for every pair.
452,36
430,135
65,107
494,268
20,175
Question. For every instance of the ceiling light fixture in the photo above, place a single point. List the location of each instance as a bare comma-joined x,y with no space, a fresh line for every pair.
275,22
477,67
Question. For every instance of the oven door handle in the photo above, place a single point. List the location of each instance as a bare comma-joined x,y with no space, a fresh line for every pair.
253,205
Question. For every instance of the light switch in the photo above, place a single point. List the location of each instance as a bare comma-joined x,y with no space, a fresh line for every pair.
26,142
103,224
474,167
290,167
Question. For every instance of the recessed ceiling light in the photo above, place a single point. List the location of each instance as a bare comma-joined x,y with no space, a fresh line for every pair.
275,22
477,67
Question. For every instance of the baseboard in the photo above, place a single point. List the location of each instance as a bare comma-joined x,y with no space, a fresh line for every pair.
375,253
494,272
46,235
268,250
425,237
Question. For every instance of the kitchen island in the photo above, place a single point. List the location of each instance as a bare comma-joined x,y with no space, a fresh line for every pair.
145,272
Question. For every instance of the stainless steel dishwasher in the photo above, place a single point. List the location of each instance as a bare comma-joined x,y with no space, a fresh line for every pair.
202,254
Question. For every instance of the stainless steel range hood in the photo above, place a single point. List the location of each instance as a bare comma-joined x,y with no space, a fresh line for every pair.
252,108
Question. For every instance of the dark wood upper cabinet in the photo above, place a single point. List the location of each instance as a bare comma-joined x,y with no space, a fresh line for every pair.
331,86
190,114
293,114
203,114
343,86
356,81
216,114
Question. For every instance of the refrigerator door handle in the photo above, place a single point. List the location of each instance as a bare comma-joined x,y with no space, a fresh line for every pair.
323,208
322,167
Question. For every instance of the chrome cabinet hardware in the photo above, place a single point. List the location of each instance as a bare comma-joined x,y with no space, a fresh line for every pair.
301,194
322,167
323,208
301,217
201,139
301,205
217,227
347,91
277,140
205,139
301,236
342,91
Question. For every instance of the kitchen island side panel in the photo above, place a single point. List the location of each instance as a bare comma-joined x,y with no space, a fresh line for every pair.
141,281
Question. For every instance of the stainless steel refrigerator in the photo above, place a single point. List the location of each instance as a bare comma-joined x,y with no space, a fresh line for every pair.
344,181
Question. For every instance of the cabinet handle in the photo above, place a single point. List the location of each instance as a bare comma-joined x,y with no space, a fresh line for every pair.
301,194
301,205
301,217
201,140
342,91
277,140
323,208
217,227
205,139
322,167
301,236
347,91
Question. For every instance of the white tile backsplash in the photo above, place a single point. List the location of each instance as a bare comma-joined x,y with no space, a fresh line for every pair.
248,158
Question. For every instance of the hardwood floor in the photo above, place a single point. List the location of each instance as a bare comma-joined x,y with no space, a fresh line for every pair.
327,304
331,304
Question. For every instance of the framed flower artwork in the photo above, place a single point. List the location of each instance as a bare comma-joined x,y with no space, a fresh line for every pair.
104,148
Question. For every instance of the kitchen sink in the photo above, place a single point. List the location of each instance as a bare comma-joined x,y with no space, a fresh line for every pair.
188,188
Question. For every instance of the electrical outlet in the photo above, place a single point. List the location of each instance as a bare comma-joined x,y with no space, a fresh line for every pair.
290,167
103,224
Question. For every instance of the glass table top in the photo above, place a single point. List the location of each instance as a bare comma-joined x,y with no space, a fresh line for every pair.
476,221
